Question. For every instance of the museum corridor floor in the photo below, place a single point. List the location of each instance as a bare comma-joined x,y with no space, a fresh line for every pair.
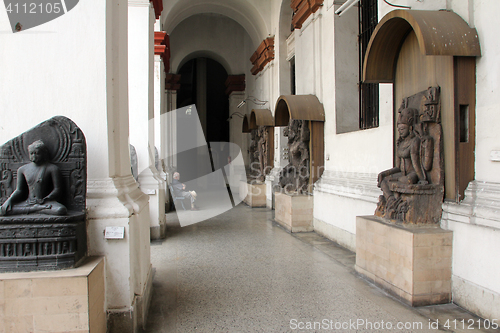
241,272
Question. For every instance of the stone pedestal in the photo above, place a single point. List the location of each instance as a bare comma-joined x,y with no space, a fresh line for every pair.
294,212
57,301
253,195
43,243
412,263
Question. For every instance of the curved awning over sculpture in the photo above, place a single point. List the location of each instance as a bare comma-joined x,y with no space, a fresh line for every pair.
261,117
246,126
298,107
438,33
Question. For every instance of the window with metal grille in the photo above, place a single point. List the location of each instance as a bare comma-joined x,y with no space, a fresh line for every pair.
368,92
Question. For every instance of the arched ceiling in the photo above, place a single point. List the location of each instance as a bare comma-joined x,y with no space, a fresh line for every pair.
242,11
204,54
212,36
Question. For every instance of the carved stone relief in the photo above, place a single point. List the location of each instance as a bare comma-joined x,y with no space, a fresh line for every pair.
259,146
413,189
294,178
42,196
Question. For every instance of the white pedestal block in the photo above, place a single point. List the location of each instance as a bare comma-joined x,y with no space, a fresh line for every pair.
253,195
412,263
69,300
294,212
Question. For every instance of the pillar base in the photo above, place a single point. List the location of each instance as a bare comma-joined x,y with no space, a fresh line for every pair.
411,263
151,183
132,319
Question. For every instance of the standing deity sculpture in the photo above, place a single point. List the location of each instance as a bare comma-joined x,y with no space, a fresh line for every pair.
263,150
258,152
294,177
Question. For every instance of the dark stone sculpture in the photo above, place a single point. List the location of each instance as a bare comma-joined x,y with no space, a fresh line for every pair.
413,190
258,151
39,181
294,178
42,197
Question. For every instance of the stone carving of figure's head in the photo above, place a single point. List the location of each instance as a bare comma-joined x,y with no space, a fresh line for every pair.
406,122
38,152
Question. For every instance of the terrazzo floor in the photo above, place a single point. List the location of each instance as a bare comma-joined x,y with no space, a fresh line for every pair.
241,272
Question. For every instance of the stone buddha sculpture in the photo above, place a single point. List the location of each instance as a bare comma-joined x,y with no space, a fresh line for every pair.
39,186
43,198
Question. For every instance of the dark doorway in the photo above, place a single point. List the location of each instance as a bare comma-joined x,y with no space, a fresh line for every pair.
216,103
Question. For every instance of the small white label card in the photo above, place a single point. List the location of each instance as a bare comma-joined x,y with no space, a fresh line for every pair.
114,232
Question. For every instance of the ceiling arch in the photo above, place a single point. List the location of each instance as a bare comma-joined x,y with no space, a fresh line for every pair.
213,36
203,54
241,11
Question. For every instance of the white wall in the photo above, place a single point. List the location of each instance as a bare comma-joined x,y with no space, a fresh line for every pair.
487,90
58,68
475,221
141,84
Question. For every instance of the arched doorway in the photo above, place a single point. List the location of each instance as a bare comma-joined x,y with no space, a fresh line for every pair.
203,84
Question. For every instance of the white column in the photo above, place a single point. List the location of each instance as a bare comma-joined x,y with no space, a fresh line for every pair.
85,79
158,231
235,126
169,134
159,97
141,99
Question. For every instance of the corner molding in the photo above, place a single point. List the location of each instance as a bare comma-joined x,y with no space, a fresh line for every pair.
359,186
118,197
480,206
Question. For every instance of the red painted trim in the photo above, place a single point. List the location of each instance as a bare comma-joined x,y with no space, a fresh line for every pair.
172,81
263,55
162,48
302,10
158,7
235,83
159,37
295,4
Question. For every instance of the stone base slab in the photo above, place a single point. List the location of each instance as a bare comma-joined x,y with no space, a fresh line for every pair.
54,301
253,195
412,263
294,212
